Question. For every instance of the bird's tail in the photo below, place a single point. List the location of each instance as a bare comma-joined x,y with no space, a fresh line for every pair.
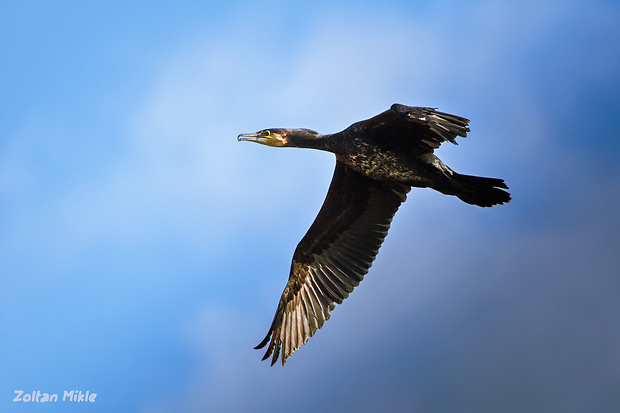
476,190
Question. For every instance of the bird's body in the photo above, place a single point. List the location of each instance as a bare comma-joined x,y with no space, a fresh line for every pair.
377,162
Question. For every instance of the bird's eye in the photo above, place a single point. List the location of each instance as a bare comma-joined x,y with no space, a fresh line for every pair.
266,132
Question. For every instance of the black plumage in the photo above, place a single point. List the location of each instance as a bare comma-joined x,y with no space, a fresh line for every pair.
377,162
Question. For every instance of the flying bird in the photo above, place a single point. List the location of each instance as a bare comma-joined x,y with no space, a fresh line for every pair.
377,162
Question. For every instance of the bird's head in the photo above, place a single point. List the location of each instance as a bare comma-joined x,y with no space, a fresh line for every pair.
279,137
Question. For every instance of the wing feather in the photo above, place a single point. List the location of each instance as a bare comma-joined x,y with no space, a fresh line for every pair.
444,127
425,129
333,257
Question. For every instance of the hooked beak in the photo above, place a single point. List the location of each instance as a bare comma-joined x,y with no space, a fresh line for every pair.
252,137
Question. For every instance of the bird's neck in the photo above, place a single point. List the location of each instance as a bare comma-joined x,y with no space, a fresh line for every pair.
320,142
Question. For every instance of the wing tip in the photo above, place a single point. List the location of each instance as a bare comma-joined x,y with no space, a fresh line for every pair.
273,350
264,342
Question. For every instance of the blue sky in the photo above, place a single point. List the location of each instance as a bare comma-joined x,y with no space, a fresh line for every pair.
143,249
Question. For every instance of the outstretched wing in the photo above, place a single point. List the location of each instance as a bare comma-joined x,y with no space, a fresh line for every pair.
442,126
333,257
418,130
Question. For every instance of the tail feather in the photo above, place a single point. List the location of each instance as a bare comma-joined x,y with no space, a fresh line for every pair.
477,190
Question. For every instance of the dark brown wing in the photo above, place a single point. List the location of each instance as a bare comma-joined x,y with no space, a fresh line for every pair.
444,127
333,256
417,130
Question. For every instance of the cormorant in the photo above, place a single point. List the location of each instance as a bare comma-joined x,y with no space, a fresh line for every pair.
377,162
